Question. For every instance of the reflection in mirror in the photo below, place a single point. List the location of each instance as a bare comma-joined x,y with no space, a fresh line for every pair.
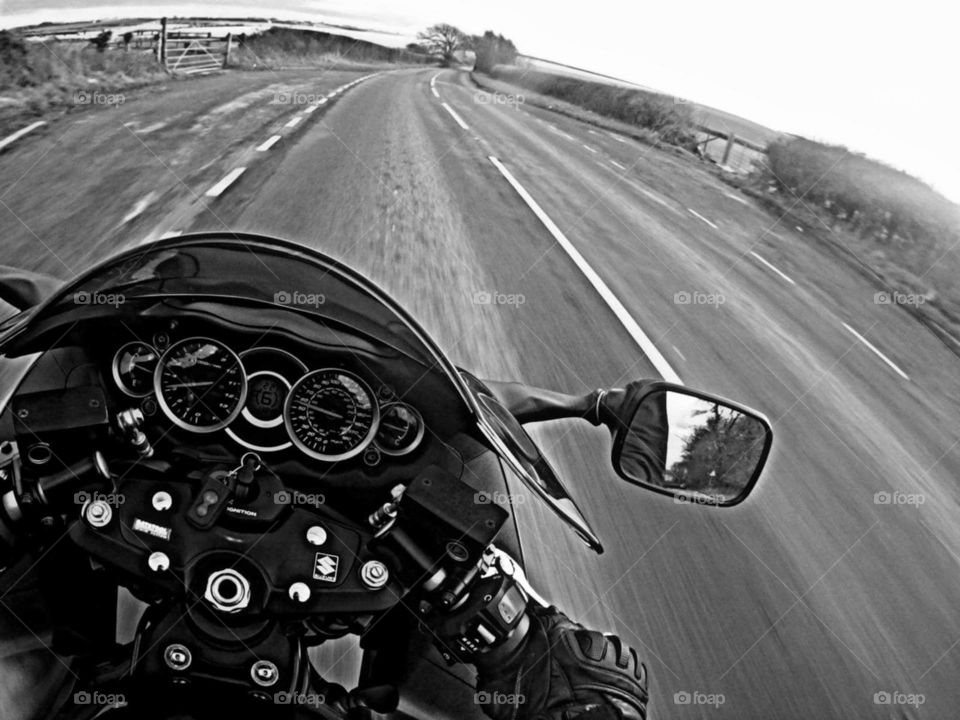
693,446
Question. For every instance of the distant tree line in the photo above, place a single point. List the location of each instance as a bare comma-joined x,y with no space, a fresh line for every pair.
443,41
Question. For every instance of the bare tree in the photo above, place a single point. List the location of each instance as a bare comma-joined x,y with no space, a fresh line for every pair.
442,40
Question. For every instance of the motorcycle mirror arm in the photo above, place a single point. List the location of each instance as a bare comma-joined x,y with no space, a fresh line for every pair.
532,404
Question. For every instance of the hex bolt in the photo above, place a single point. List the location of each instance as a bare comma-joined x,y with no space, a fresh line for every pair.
177,657
99,513
264,673
316,535
374,574
158,561
299,592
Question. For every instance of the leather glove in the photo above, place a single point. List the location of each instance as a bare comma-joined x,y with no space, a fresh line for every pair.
563,671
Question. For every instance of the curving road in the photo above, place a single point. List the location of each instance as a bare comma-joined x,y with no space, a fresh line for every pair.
810,599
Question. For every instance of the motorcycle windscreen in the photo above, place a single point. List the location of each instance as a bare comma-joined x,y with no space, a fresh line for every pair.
507,436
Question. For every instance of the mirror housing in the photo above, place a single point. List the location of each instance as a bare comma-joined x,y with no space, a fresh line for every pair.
691,445
23,289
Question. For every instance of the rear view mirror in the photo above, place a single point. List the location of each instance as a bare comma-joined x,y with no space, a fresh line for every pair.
691,445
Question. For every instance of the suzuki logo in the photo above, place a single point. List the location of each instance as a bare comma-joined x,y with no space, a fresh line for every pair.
325,567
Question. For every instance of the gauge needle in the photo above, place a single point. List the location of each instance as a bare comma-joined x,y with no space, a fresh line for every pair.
321,410
190,384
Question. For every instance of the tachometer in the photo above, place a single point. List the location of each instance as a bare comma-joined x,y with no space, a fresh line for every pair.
133,368
331,415
401,429
200,384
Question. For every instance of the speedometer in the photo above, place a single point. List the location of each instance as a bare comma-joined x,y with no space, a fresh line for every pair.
331,415
200,384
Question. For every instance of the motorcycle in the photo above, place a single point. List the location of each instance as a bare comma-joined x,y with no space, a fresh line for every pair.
262,451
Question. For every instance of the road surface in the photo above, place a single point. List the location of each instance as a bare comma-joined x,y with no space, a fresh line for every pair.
837,582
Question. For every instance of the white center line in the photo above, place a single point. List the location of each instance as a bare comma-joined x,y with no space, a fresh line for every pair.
771,266
434,91
883,357
20,133
593,150
456,117
560,132
217,190
677,351
631,326
696,214
616,164
293,122
268,143
739,199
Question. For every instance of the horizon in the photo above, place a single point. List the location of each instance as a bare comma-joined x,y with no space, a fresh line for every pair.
870,106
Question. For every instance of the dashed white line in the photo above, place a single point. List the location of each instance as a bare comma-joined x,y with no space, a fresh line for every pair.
631,326
138,208
591,149
434,91
9,139
657,199
739,199
309,109
268,143
677,351
560,132
879,354
217,190
775,269
617,138
456,117
698,215
293,122
616,164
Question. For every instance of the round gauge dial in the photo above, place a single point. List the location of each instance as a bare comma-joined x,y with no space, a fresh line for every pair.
331,415
200,384
271,372
401,429
133,368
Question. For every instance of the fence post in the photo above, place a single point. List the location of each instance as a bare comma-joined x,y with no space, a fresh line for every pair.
731,140
226,52
163,42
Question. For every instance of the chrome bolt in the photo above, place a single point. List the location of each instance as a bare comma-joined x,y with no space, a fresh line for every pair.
158,561
162,501
264,673
299,592
227,590
99,513
374,574
177,657
316,535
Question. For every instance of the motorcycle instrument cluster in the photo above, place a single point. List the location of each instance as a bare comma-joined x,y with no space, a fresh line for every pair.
267,400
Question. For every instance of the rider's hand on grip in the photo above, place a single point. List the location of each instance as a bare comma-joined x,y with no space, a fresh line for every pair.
563,671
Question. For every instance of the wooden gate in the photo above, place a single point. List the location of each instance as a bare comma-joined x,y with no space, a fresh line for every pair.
184,54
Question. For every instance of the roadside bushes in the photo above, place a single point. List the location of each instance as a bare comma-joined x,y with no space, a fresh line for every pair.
280,47
672,122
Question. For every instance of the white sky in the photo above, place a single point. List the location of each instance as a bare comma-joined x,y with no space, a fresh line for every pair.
879,77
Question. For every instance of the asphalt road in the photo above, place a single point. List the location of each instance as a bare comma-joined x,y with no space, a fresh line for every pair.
806,601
